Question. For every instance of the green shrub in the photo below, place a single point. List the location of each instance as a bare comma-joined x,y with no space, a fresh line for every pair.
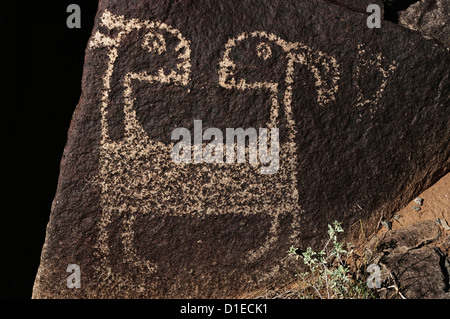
328,274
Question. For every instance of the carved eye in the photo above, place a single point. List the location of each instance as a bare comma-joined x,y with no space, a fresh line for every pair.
154,43
263,50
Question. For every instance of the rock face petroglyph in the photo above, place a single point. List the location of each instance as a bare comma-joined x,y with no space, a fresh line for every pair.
344,103
371,63
129,166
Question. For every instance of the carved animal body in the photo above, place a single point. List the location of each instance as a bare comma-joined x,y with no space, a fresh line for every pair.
136,173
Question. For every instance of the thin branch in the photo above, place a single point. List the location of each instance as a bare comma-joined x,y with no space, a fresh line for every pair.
326,281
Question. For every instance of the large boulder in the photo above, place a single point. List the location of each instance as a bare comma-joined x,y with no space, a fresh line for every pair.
363,120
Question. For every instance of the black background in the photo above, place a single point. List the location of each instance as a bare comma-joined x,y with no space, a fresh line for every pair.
41,67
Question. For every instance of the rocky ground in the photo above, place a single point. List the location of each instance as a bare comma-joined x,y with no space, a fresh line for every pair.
413,248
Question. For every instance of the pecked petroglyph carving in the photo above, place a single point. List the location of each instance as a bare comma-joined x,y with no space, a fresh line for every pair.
323,67
127,166
137,175
325,71
367,62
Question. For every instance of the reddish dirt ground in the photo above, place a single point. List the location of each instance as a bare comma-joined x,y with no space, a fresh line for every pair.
436,205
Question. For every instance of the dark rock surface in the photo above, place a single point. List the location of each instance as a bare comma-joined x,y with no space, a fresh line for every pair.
410,237
358,5
421,273
430,17
413,265
363,120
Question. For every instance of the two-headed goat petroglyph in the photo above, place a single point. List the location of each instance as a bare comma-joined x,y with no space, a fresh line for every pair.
136,174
